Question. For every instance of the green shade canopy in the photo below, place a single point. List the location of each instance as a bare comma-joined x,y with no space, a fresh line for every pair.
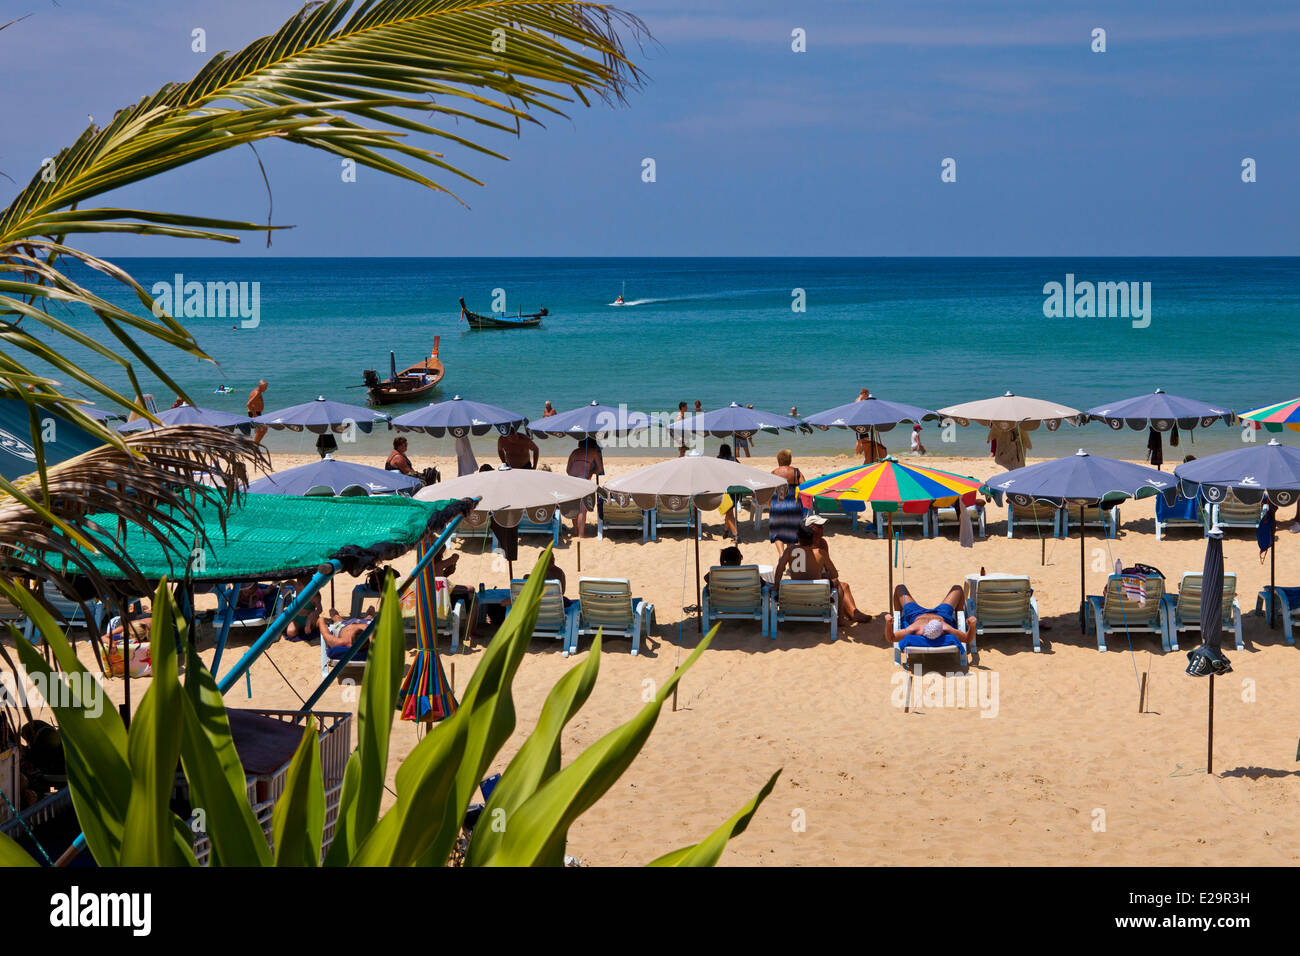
275,537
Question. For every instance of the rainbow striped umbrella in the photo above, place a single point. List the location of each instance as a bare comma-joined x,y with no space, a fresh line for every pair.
425,694
890,486
1275,417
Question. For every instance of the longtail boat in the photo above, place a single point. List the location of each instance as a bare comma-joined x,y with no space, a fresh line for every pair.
521,321
408,385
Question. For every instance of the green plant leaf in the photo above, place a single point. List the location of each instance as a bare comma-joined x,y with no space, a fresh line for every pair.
216,777
94,737
298,822
154,747
709,850
363,780
11,854
537,831
537,760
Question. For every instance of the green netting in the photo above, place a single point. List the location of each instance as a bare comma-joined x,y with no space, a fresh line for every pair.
274,536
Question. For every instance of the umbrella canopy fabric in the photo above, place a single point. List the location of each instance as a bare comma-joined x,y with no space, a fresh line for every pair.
1212,593
1081,479
18,457
870,413
508,494
322,416
1009,410
190,415
458,417
1160,411
733,420
101,414
425,694
691,478
890,486
334,474
591,421
1253,473
1275,417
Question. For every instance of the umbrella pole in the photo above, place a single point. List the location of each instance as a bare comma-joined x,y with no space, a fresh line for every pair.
1083,588
699,601
1209,744
889,558
1272,576
579,555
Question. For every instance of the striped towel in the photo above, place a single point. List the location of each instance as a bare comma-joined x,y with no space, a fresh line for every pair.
1135,589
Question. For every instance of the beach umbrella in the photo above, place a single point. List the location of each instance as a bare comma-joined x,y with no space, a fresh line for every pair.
337,475
1083,480
870,415
1253,474
100,414
17,454
695,479
459,418
1208,658
506,495
1159,412
1275,417
190,415
891,487
1010,409
425,694
733,420
591,421
321,416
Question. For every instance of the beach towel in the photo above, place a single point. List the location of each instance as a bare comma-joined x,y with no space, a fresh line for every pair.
1266,530
967,527
1135,588
465,462
1155,449
920,640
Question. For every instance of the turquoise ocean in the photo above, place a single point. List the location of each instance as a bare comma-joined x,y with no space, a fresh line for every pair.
930,332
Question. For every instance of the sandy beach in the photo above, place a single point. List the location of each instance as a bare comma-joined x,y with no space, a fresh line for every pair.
1051,763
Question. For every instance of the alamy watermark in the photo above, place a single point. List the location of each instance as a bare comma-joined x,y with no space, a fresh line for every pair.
1099,300
209,300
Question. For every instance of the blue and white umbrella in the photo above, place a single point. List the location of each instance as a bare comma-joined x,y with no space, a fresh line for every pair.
459,418
1084,480
1252,474
337,475
870,413
1160,411
190,415
322,416
591,421
733,420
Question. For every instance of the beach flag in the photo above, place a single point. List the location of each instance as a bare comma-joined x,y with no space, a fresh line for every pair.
425,694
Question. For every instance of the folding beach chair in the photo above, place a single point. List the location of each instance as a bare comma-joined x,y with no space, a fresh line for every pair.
963,649
607,605
1116,611
902,522
611,516
664,517
1288,608
814,601
941,517
1004,605
1231,513
830,508
554,620
1094,518
550,527
1185,607
1036,519
1184,513
735,594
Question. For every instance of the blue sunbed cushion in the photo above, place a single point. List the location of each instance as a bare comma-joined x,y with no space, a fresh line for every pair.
1183,509
340,651
920,640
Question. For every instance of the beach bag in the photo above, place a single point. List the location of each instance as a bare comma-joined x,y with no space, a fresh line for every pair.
141,664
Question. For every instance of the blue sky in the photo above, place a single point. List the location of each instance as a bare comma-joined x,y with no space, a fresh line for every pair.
760,150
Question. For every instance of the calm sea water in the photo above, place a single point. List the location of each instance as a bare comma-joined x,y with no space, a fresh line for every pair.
931,332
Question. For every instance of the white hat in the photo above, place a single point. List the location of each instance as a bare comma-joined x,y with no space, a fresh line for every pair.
813,520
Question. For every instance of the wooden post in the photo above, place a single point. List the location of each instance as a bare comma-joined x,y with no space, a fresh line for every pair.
1142,694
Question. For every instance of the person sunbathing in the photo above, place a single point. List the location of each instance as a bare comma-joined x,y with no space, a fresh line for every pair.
805,561
849,612
306,623
340,632
934,623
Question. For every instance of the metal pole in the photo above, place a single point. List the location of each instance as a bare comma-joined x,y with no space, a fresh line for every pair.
889,554
1083,588
699,601
1209,744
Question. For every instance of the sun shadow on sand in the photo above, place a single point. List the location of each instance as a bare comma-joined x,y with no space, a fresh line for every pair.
1259,773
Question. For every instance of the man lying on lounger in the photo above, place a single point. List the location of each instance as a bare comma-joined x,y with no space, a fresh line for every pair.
340,632
934,624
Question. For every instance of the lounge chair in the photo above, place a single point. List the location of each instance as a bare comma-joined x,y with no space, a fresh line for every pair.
328,663
902,522
1231,513
1094,518
551,527
813,601
665,517
1004,605
68,613
735,594
963,649
1035,517
450,617
480,533
948,516
1115,613
554,620
1288,609
611,516
607,605
1185,607
1184,513
830,508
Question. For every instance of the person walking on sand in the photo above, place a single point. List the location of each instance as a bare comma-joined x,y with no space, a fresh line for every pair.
517,450
256,406
586,462
681,417
784,512
917,447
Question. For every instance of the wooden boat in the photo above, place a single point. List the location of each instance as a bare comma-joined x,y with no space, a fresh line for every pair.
521,321
408,385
